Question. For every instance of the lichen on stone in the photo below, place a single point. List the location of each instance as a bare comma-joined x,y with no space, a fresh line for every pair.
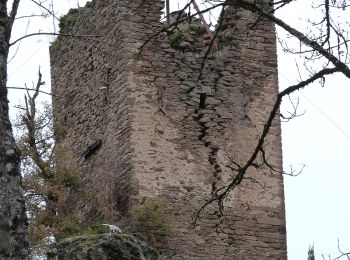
103,246
68,20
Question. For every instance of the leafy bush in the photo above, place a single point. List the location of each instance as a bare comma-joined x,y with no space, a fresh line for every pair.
152,221
72,227
196,29
175,38
66,21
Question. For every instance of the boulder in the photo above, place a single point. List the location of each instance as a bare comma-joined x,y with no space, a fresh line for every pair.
103,247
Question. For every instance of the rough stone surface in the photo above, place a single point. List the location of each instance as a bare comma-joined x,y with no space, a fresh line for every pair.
103,247
170,130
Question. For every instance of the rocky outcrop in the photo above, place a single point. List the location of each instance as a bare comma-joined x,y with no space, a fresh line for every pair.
103,247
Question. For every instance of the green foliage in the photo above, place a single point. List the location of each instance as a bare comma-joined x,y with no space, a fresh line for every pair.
72,227
48,178
103,246
54,45
67,176
67,226
196,29
152,221
95,229
66,21
60,131
48,210
175,38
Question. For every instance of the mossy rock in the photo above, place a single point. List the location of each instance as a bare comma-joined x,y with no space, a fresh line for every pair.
103,247
175,38
68,20
196,29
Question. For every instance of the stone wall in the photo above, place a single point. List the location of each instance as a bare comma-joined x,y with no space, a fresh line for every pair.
171,124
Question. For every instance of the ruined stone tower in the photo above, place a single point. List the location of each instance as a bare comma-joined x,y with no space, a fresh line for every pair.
145,117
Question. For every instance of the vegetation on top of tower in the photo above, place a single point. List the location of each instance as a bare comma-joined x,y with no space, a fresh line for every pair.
90,4
188,35
68,20
175,38
196,29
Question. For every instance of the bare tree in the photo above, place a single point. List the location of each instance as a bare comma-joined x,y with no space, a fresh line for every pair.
45,183
342,254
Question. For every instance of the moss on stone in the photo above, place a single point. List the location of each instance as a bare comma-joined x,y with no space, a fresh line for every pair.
67,20
103,246
196,29
175,38
152,221
60,130
54,45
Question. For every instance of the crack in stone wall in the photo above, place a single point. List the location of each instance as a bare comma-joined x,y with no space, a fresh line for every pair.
203,119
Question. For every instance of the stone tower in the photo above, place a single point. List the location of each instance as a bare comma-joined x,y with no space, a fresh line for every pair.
145,117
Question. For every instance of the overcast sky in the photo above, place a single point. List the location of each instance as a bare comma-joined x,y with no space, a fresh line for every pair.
317,201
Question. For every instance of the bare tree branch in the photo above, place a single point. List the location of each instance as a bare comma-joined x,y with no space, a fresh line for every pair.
342,67
40,91
54,34
221,193
46,9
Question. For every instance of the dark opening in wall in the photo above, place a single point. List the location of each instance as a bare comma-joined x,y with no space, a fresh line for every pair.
91,149
202,98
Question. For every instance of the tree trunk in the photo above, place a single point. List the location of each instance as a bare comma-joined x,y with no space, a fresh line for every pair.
13,224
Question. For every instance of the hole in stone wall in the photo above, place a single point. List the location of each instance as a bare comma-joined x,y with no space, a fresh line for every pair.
91,149
202,98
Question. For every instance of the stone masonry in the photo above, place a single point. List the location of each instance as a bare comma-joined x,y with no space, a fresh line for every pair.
156,121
